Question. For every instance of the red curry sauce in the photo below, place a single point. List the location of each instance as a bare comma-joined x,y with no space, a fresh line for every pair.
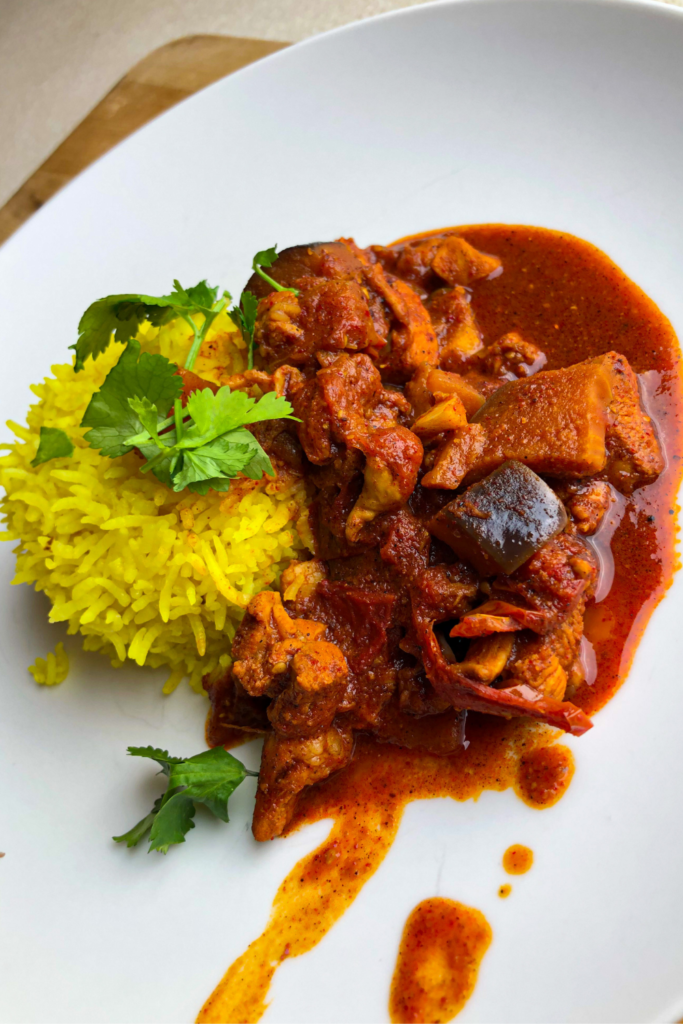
441,949
569,299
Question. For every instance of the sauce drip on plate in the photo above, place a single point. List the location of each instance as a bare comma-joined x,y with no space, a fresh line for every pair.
438,961
568,298
517,859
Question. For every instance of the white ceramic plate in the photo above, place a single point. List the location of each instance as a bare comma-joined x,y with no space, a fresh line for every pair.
563,114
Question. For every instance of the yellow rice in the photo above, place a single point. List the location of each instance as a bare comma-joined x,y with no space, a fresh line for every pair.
144,574
51,670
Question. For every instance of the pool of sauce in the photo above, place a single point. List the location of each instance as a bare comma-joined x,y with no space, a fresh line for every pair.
568,298
438,961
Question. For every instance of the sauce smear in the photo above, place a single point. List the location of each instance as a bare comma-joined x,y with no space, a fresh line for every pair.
567,297
517,859
438,961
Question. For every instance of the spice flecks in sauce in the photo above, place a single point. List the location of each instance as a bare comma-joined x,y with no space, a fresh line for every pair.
438,961
568,298
544,776
366,801
517,859
505,891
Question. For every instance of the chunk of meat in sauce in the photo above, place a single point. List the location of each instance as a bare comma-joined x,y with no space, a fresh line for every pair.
287,767
427,262
573,423
587,503
634,457
345,404
456,328
512,354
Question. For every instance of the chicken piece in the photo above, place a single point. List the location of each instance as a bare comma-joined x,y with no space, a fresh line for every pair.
487,657
512,354
538,596
315,689
267,640
461,449
553,582
463,691
405,545
440,734
330,315
456,328
417,393
413,341
296,266
232,708
288,766
459,263
447,255
315,429
391,408
586,502
416,695
441,383
393,458
335,405
446,415
498,523
634,457
301,578
545,662
352,387
554,422
444,592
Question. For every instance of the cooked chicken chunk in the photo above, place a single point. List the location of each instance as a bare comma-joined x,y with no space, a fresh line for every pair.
287,767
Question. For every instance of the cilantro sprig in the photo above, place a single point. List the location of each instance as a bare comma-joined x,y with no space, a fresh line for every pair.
120,316
266,258
209,778
201,446
243,315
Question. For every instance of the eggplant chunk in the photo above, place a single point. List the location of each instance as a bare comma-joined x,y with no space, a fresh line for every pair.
499,523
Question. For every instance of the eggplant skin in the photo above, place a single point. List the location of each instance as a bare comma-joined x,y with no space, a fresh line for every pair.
499,523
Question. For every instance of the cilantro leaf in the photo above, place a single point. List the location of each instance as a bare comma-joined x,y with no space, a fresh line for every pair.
244,317
201,297
215,414
266,258
109,414
121,316
209,778
162,757
211,463
139,831
53,444
148,414
172,822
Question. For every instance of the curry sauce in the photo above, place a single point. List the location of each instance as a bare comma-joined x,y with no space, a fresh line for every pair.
569,300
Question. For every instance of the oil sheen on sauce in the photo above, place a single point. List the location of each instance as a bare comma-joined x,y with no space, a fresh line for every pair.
438,961
568,298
